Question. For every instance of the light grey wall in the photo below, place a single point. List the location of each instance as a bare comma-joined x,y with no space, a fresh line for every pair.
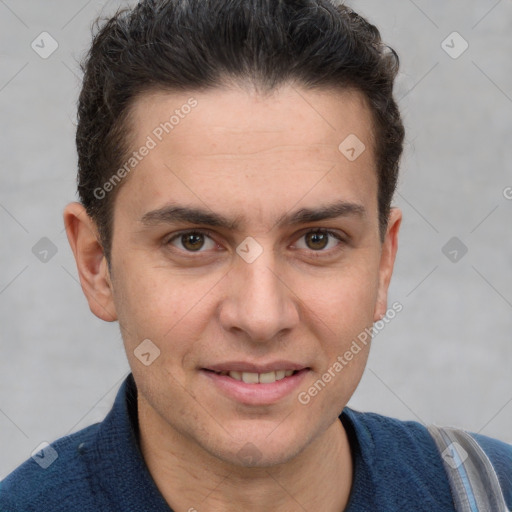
445,358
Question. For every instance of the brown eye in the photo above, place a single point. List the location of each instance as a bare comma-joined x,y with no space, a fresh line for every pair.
320,240
192,241
317,240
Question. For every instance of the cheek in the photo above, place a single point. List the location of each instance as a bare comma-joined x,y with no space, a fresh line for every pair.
346,300
343,315
158,305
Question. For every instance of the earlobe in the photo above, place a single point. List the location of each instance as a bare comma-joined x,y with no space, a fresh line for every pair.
90,261
387,261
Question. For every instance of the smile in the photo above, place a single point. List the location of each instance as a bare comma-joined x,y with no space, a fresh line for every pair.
258,378
247,385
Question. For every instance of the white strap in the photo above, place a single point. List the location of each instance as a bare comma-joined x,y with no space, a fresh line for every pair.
473,480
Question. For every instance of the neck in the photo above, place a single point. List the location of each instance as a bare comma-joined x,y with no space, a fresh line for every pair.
191,479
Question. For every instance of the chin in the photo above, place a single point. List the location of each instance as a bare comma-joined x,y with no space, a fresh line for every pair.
261,450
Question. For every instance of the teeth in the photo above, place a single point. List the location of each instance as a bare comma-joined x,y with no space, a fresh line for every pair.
261,378
250,378
267,378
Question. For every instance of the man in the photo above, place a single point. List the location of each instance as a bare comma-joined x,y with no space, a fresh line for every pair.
237,163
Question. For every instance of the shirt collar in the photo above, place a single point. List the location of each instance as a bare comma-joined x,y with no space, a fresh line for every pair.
115,459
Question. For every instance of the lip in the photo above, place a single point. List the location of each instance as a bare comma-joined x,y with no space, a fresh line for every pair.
256,394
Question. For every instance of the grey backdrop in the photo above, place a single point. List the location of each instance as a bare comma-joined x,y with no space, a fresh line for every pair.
445,358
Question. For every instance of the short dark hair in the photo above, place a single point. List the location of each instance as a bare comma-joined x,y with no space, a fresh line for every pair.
197,45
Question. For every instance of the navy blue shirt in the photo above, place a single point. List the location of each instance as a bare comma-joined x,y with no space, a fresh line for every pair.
100,468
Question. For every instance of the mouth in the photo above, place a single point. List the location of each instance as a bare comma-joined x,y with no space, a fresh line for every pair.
256,384
254,377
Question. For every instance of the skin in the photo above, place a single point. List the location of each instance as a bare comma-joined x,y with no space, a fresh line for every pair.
254,158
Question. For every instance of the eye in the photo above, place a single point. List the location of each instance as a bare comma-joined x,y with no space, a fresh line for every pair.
320,240
192,241
317,240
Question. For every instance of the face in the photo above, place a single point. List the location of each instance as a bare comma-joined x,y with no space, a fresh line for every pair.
246,246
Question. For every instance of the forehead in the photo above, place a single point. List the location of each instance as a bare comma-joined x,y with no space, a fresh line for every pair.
272,150
298,116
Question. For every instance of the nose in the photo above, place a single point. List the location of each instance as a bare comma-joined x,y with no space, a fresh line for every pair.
259,302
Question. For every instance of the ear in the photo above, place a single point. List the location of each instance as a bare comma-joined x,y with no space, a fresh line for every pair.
90,261
387,262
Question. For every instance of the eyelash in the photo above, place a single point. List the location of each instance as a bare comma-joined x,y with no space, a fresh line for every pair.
210,234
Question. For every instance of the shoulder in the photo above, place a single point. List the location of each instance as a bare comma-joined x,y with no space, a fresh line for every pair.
399,461
381,432
53,478
405,450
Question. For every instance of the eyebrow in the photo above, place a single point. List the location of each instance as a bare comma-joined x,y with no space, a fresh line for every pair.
175,214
